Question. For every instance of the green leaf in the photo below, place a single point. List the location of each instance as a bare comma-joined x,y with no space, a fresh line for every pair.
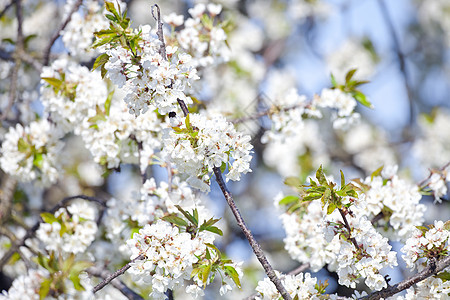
100,61
333,80
188,124
445,276
45,288
48,217
214,229
80,266
23,146
175,220
331,207
312,196
223,167
349,75
342,179
56,83
231,272
376,173
288,200
104,41
293,181
321,176
205,274
108,102
38,160
188,215
112,18
361,98
110,7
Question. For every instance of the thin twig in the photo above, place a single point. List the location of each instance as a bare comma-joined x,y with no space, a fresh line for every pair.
116,274
401,59
7,6
253,243
30,233
118,284
58,31
407,283
17,61
162,47
6,197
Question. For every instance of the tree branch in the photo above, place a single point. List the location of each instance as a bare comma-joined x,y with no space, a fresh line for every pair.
431,270
253,243
162,47
118,284
401,59
116,274
58,32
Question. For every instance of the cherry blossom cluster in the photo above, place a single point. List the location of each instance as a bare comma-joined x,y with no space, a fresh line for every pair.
372,254
200,144
287,118
71,94
114,138
25,286
78,34
169,256
343,103
425,244
396,200
202,35
69,230
146,206
149,80
430,288
305,241
32,153
300,286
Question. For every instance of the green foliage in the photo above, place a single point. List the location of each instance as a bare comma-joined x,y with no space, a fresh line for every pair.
192,225
321,189
60,269
212,263
119,33
350,86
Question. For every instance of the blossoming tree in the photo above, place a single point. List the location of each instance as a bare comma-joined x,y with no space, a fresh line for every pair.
120,141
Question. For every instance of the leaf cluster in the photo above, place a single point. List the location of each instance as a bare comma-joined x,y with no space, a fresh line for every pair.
350,86
60,269
119,33
192,225
320,188
211,264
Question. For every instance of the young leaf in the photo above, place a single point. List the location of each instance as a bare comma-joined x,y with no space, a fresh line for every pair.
342,180
108,102
48,217
293,181
23,146
233,274
188,215
288,200
175,220
56,83
349,75
376,173
100,61
333,80
321,176
361,98
45,288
